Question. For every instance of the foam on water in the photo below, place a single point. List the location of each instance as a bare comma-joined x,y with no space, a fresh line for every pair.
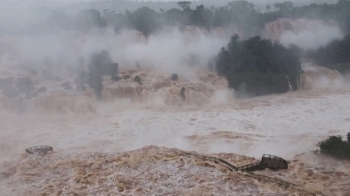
205,118
283,125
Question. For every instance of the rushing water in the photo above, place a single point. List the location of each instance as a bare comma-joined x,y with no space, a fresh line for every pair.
93,141
284,125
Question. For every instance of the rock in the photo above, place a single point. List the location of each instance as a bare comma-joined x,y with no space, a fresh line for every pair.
116,78
126,77
66,85
174,77
138,80
41,90
11,92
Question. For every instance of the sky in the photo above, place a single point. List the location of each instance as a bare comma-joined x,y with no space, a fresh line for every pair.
253,1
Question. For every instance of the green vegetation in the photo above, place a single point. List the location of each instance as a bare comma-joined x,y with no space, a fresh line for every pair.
258,66
138,80
241,14
182,93
174,77
253,65
334,146
100,65
335,55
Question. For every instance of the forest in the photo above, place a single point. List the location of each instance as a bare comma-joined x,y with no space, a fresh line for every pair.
260,65
334,146
251,64
239,13
334,55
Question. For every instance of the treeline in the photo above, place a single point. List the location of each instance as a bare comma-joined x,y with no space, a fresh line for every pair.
334,146
241,13
258,67
251,65
335,55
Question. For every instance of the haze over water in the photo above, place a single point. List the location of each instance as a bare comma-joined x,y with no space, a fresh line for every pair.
92,139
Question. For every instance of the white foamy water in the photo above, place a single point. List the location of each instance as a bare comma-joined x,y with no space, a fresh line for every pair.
205,118
283,125
305,33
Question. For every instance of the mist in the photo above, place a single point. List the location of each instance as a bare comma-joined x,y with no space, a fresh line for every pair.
28,39
30,42
312,39
166,51
179,101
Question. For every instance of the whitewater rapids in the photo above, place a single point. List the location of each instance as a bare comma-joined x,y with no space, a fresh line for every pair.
283,125
129,143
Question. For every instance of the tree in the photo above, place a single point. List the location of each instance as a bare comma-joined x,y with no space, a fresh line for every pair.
268,7
241,5
334,55
144,20
138,80
184,4
87,19
239,13
176,17
259,65
243,15
100,64
202,17
284,7
334,146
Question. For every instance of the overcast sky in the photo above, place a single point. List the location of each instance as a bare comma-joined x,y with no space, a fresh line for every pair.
253,1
